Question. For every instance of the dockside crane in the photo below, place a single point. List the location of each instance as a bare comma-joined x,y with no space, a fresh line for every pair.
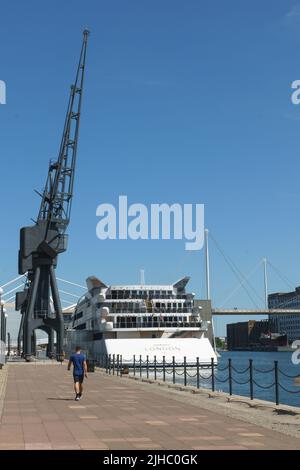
41,243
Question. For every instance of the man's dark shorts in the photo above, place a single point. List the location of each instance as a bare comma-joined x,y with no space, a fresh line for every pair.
78,378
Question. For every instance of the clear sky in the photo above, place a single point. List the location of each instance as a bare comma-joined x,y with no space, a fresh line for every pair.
185,101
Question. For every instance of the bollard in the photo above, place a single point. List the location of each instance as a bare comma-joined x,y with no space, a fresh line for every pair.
173,364
114,363
276,382
164,368
198,373
106,363
212,374
154,367
184,368
230,376
147,367
140,366
134,365
251,378
118,365
110,364
121,365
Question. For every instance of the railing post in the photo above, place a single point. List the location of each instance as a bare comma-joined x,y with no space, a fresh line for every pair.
147,366
198,372
121,366
164,368
276,382
230,376
184,368
140,366
114,364
251,378
212,374
110,364
106,363
154,367
118,365
173,364
134,365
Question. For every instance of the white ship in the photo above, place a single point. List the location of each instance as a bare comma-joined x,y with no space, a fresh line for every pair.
158,321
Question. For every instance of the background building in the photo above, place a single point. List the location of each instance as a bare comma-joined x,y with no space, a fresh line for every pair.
246,335
286,324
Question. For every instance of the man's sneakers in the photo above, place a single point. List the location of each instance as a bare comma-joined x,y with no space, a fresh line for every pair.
78,396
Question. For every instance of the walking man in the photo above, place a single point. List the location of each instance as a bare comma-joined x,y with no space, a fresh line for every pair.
79,371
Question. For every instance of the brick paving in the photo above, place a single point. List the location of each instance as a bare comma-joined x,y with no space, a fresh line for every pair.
39,412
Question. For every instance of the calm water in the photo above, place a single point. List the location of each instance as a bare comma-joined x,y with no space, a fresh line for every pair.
263,375
262,361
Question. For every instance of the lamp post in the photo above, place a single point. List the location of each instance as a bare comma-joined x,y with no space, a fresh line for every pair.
2,328
4,325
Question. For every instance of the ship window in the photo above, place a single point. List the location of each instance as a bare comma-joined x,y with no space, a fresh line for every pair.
78,315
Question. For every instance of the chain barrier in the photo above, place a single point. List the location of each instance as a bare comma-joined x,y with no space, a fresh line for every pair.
115,365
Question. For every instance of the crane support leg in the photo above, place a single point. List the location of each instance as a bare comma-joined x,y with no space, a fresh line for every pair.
20,334
50,348
29,320
59,315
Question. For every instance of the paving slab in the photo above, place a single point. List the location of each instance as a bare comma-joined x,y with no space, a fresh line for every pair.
39,413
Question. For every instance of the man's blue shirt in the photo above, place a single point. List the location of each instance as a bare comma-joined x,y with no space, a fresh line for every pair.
78,360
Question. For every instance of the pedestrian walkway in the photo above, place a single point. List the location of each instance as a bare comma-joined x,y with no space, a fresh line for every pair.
39,412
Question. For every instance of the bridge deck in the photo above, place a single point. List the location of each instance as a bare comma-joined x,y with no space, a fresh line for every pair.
249,312
39,412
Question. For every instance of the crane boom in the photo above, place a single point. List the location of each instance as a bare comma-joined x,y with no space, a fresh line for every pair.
57,196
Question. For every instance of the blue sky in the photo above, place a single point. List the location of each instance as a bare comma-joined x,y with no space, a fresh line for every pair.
185,102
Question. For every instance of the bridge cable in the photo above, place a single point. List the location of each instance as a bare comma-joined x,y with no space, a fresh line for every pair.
236,272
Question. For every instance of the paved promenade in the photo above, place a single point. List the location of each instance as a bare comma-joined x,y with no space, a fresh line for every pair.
39,412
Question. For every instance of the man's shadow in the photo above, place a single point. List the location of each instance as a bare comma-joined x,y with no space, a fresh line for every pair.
63,399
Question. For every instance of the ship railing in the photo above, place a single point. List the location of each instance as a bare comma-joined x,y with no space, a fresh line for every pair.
251,381
155,311
156,324
149,297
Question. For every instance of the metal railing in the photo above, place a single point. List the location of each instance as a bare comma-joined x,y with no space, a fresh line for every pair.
199,372
156,324
142,309
126,296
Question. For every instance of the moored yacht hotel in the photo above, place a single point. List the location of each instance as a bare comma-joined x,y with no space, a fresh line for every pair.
142,320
